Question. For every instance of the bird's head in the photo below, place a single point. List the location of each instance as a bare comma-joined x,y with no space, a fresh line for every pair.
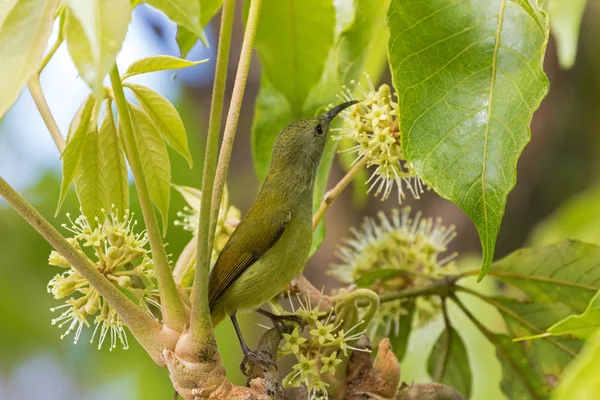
300,145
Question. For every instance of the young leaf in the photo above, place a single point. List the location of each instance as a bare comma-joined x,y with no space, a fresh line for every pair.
183,12
25,26
95,31
399,340
90,181
469,77
165,118
186,40
448,362
71,157
581,326
565,21
113,163
191,195
567,273
580,380
159,63
155,161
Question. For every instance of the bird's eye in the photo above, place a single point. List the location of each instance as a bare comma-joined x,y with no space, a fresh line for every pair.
319,129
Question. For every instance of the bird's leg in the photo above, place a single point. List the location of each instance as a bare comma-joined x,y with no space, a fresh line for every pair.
249,355
279,320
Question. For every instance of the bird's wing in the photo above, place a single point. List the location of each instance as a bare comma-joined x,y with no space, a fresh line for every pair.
251,239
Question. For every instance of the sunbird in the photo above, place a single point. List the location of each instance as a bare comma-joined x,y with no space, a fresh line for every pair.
270,246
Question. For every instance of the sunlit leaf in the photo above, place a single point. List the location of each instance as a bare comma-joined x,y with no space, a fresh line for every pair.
567,273
183,12
580,379
71,157
448,362
187,39
565,20
113,164
469,77
165,118
155,161
90,179
95,31
159,63
25,26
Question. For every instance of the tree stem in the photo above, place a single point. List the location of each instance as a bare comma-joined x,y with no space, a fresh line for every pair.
233,115
333,194
142,326
200,321
42,105
173,310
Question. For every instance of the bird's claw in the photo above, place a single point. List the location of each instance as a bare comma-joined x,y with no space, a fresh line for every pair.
257,357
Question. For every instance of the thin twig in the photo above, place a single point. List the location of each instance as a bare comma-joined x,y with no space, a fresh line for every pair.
333,194
174,313
142,326
42,105
201,325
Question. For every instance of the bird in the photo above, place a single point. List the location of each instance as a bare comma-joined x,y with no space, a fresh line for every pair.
271,244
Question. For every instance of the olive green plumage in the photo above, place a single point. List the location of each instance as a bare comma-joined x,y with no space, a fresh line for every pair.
271,244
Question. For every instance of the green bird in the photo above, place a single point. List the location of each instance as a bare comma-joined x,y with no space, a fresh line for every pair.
270,246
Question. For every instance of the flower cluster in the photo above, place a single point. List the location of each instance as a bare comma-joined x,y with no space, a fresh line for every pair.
372,126
319,352
228,220
121,256
397,253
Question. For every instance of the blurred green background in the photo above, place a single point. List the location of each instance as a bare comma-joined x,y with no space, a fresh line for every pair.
557,196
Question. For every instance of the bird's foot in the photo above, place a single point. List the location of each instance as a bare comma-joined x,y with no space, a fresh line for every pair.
280,320
255,356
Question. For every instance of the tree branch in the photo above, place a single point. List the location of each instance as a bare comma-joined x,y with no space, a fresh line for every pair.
174,313
145,329
333,194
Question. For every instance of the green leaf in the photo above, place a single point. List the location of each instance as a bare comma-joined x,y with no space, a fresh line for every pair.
113,163
71,156
448,362
469,77
580,379
565,20
519,379
183,12
187,39
581,326
399,340
547,355
90,180
155,161
567,273
95,31
25,26
165,118
159,63
293,40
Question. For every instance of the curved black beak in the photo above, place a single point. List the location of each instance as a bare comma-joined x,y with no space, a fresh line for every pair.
331,114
